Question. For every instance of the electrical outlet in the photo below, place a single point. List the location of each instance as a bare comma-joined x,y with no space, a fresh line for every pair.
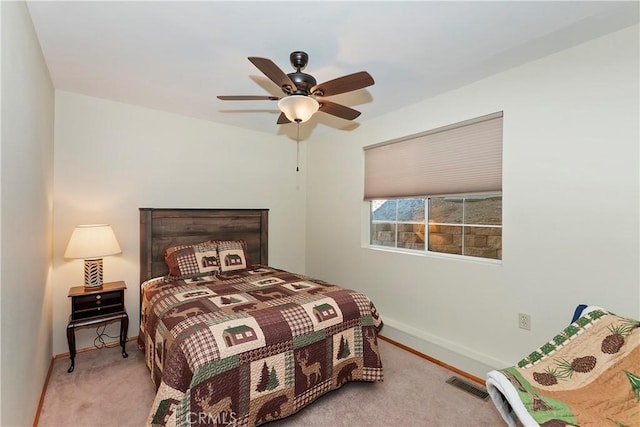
524,321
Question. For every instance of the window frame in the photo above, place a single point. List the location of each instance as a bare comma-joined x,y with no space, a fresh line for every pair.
426,251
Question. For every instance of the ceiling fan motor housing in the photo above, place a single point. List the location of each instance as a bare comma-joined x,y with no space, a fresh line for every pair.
304,82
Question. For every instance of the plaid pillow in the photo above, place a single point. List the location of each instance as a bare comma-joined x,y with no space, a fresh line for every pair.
189,261
232,255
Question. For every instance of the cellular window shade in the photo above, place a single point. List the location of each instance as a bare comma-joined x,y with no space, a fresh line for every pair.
462,158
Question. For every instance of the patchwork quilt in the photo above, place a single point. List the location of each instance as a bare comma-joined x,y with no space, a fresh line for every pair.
587,375
253,346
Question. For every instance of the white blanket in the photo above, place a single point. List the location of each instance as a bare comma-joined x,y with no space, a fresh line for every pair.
506,399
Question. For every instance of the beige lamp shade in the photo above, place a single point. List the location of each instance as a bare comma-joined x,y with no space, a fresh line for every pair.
91,243
298,108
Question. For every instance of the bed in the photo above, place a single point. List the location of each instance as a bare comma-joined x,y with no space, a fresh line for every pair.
230,340
586,375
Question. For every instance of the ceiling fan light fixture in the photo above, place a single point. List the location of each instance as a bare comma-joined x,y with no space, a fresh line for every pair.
298,108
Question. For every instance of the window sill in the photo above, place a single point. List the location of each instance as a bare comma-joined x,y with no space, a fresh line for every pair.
437,255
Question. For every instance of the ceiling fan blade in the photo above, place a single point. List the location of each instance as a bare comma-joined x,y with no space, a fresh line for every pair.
338,110
248,98
343,84
274,73
282,119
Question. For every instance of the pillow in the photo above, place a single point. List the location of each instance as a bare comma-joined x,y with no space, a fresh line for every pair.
189,261
232,255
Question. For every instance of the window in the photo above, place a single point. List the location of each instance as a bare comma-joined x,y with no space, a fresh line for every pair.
398,223
449,178
460,225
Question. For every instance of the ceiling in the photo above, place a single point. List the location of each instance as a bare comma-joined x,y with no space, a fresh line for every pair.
177,56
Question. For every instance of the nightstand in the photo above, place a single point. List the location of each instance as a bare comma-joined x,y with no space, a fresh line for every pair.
93,306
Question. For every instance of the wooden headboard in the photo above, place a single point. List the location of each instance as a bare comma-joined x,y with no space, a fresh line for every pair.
163,228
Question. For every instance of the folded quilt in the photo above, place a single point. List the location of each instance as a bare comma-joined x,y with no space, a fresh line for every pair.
587,375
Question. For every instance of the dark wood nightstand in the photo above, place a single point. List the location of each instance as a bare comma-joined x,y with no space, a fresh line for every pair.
92,306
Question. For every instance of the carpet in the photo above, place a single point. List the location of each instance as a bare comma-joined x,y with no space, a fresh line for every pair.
107,390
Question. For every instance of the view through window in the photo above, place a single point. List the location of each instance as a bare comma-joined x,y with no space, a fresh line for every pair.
469,225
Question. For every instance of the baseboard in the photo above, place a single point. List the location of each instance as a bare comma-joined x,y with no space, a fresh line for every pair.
454,356
433,360
44,391
83,350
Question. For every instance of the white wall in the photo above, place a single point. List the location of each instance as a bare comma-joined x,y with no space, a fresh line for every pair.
26,199
570,210
113,158
560,166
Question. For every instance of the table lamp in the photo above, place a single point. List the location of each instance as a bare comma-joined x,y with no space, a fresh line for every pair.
92,242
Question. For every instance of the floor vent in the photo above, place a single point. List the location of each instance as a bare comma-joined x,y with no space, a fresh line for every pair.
473,389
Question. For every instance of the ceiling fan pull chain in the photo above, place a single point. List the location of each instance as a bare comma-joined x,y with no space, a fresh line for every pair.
297,145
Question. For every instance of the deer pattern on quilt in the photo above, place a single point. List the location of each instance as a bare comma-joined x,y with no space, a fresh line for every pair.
311,371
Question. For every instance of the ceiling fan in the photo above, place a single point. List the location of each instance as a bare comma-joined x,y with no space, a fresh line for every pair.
302,95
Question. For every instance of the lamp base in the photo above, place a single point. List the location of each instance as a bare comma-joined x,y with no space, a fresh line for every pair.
93,274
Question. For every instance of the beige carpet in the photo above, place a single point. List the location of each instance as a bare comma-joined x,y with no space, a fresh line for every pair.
107,390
